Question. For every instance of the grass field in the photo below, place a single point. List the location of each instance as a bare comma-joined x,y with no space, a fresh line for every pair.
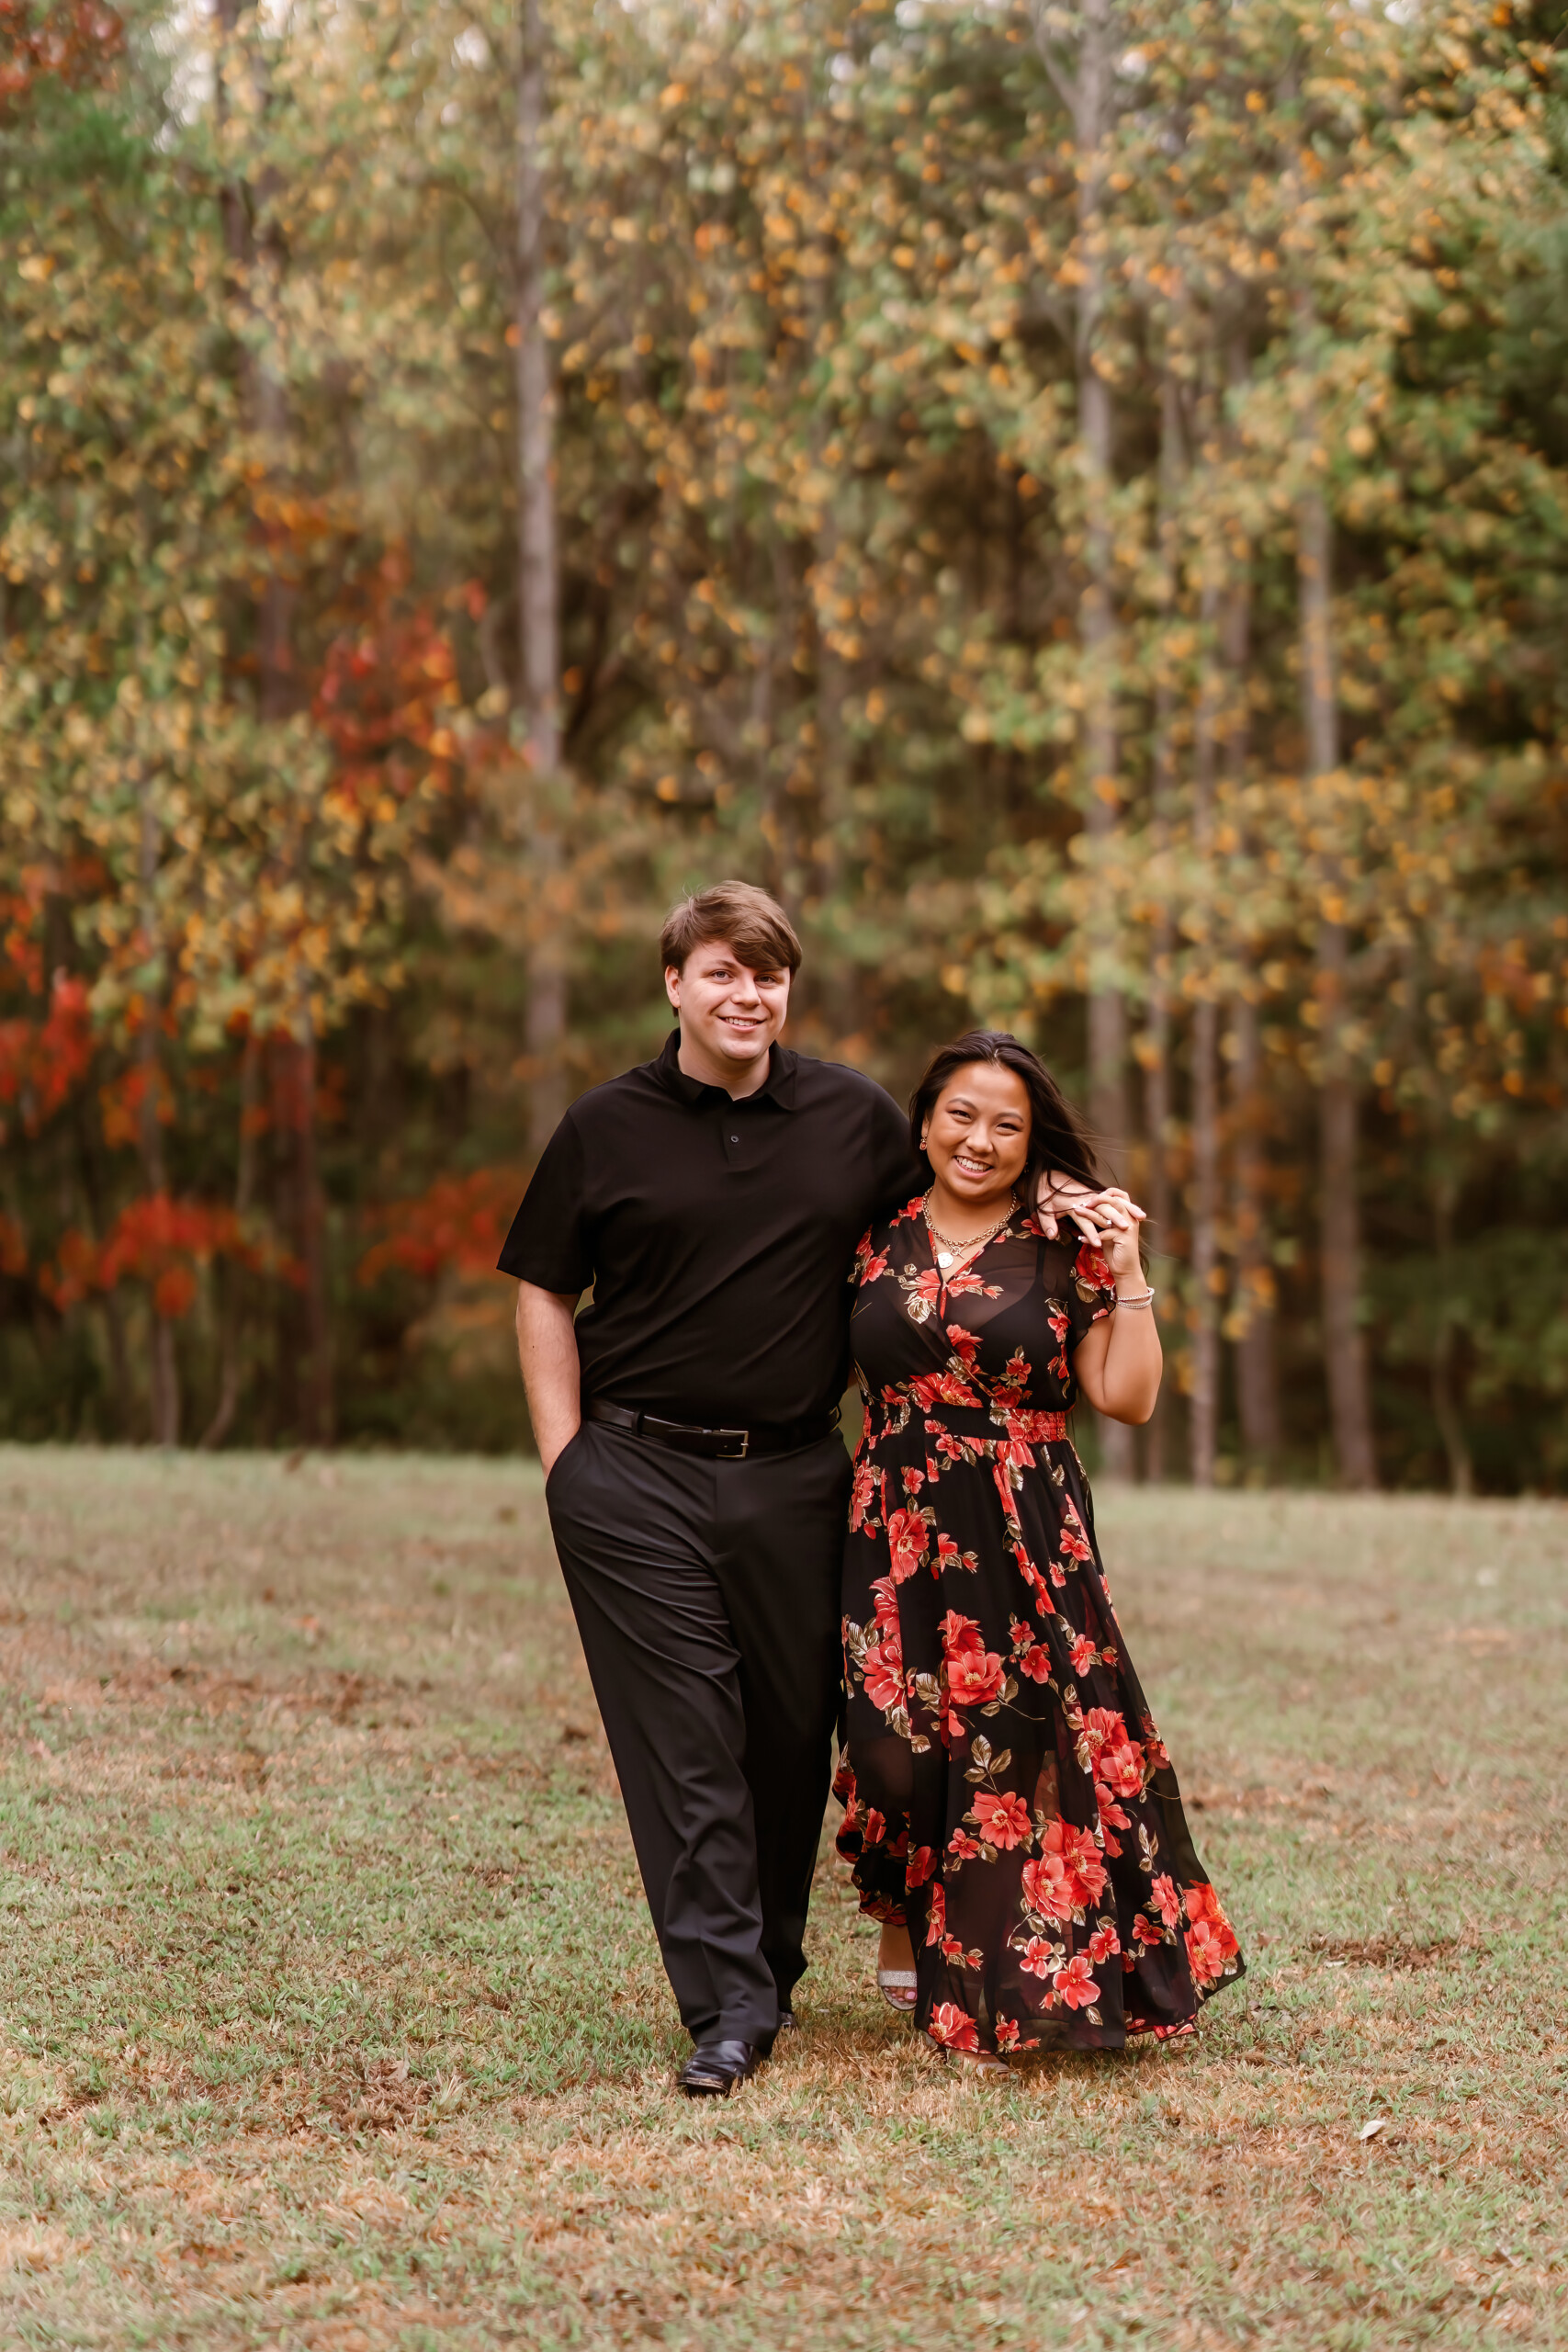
330,2016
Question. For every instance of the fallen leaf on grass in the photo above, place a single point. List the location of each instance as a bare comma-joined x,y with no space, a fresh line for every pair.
1369,2131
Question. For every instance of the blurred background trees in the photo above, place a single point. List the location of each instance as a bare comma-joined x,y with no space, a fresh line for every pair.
1073,498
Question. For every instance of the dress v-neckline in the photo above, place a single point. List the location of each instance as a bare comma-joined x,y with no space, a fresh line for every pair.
953,1264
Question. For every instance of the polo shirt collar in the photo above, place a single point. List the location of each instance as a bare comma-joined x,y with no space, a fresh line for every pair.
778,1086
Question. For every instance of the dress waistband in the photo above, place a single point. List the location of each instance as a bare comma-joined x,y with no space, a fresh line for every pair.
977,1423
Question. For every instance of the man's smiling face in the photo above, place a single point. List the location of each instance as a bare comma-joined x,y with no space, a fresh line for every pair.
730,1015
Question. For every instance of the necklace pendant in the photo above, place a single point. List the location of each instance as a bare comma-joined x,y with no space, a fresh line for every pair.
944,1257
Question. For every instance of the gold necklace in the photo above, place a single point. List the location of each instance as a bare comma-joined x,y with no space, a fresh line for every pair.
945,1250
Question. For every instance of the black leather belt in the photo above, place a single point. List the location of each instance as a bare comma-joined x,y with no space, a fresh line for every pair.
717,1445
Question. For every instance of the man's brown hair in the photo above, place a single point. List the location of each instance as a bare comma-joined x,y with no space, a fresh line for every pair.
740,915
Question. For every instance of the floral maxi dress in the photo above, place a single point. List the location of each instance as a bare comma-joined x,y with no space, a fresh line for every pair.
1005,1789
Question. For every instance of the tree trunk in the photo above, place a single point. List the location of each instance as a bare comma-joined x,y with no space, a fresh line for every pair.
230,1277
1256,1356
1203,1404
1444,1406
836,993
1343,1343
1157,1049
316,1391
1088,94
165,1368
538,600
1257,1361
1350,1401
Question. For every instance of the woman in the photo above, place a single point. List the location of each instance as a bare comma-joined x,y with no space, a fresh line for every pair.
1011,1813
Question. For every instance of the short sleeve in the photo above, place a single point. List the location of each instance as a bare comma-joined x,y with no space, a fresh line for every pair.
900,1173
551,1240
1092,1293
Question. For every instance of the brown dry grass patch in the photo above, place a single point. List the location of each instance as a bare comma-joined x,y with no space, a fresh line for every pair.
331,2018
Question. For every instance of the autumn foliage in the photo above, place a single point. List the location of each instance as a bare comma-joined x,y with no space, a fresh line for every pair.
1075,498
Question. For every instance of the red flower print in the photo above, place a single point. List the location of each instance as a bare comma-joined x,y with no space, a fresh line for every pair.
1084,1654
960,1285
952,2028
919,1866
1110,1818
929,1389
1038,1957
920,1294
1080,1855
861,1493
913,1481
965,1346
1090,1267
1074,1985
1049,1888
1034,1579
1210,1946
1145,1929
1004,1820
870,1264
906,1542
974,1672
1202,1903
936,1925
948,1556
1036,1428
1166,1900
1211,1939
1073,1540
884,1673
1035,1661
1068,1876
1113,1757
962,1846
885,1600
1006,2033
1104,1944
875,1827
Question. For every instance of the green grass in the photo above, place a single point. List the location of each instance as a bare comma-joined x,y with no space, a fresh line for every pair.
331,2016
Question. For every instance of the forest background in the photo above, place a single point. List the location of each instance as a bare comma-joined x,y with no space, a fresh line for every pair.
1073,498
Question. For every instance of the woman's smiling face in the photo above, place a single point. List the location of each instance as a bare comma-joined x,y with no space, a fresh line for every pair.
977,1136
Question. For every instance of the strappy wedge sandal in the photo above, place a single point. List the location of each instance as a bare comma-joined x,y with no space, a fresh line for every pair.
897,1988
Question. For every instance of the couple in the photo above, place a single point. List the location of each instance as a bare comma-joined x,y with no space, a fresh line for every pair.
746,1217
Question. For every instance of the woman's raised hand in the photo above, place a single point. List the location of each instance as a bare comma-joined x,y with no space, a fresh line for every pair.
1108,1219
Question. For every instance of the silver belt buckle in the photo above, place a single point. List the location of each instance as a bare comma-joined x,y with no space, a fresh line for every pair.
736,1453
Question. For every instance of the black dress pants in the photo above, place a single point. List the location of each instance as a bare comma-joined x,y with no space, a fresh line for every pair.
706,1595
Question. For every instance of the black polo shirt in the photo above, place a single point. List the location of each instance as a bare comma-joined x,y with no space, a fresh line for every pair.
717,1235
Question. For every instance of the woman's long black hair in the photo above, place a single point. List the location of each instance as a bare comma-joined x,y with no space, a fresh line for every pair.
1056,1136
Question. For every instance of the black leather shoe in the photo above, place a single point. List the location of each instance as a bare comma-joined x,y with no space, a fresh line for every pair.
715,2067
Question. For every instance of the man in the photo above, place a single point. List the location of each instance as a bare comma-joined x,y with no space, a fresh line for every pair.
687,1423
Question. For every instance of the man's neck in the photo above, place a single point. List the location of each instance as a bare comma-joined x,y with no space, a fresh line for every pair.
737,1083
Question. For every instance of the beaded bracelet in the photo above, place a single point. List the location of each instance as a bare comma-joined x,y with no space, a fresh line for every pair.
1145,1299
